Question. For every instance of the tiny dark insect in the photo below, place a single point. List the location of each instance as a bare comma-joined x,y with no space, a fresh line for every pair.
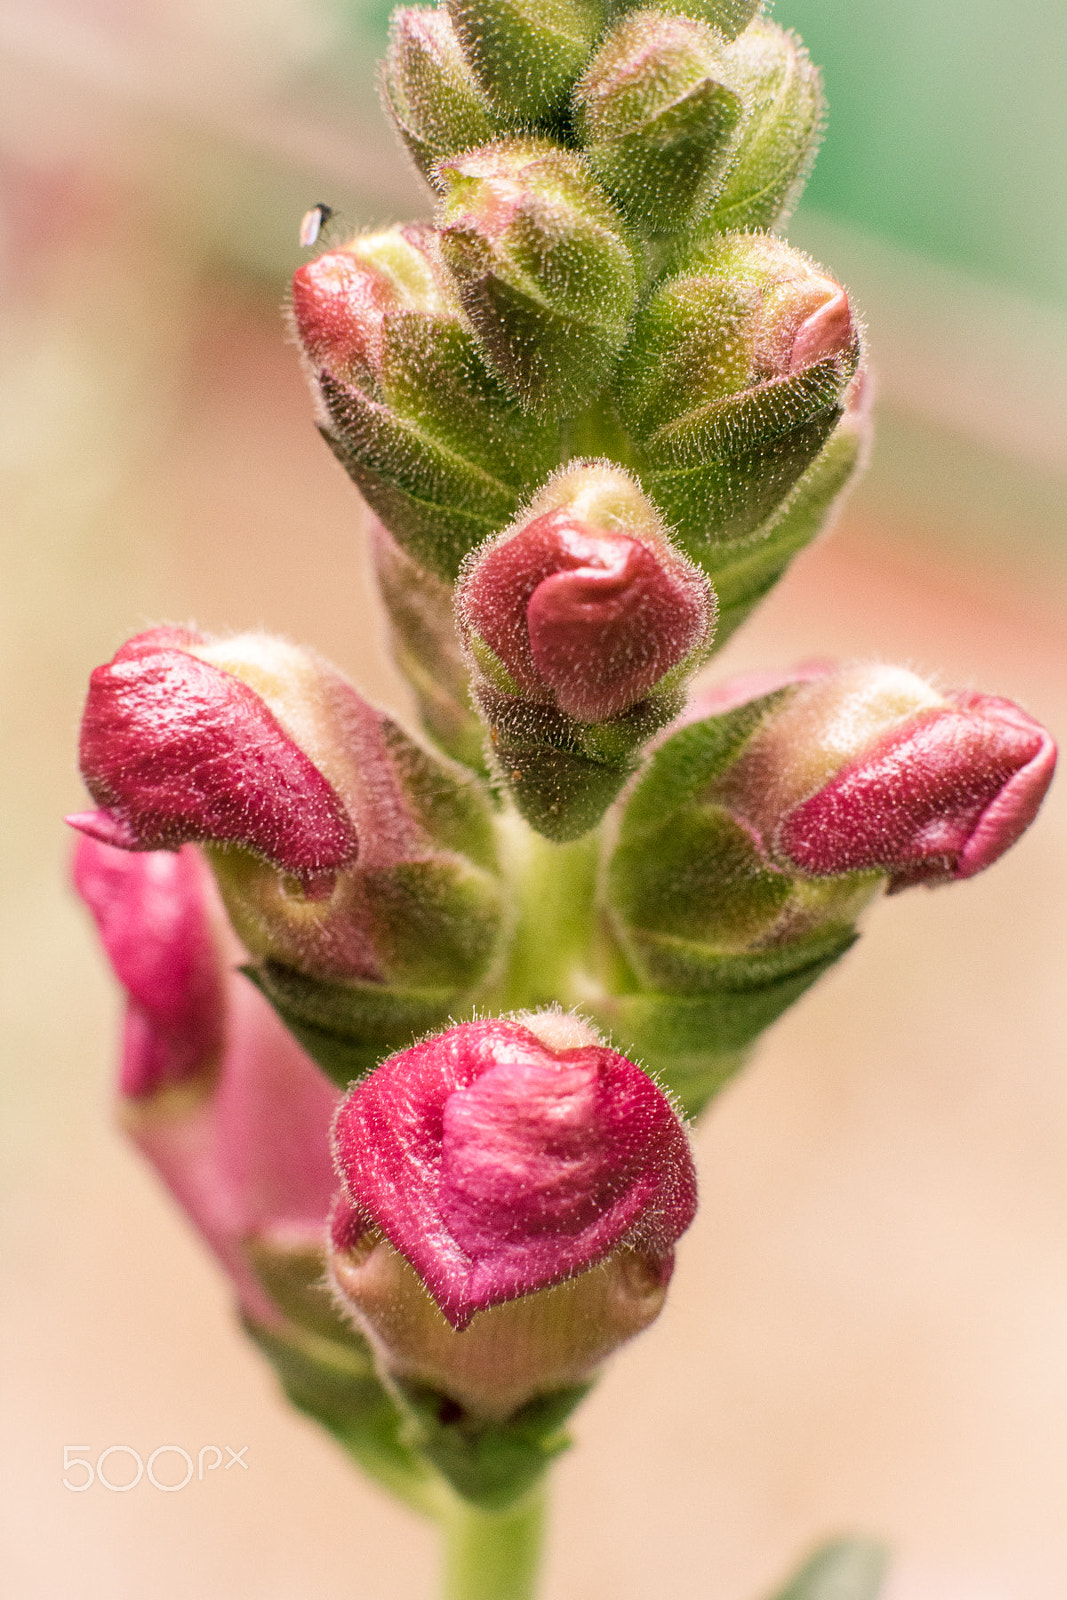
313,222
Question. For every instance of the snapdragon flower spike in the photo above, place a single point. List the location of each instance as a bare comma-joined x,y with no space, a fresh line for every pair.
657,110
542,266
581,619
431,91
405,400
214,1091
767,820
364,932
500,1159
734,378
777,145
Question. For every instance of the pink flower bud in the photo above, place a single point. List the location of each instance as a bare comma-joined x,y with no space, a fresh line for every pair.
216,1094
175,748
501,1158
152,913
585,603
942,796
341,299
868,768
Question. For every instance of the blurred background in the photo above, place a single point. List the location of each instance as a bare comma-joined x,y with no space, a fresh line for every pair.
868,1327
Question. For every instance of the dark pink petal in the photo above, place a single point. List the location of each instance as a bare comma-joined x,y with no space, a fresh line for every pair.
940,797
152,913
498,1166
175,750
594,618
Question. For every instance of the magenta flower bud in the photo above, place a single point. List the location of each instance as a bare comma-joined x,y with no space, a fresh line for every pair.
343,849
586,608
340,301
152,911
175,749
505,1156
942,796
216,1094
869,769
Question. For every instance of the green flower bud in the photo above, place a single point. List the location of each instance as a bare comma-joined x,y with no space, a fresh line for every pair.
527,53
780,138
542,267
727,17
439,450
431,91
744,574
657,110
734,378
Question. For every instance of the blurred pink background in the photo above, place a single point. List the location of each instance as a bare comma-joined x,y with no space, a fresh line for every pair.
868,1325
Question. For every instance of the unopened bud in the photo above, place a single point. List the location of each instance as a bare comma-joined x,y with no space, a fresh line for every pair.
175,748
657,110
431,90
487,1165
727,17
406,402
542,267
367,890
870,770
526,53
574,617
771,816
341,299
780,137
734,378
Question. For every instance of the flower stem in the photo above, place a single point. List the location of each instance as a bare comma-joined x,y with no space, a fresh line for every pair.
493,1555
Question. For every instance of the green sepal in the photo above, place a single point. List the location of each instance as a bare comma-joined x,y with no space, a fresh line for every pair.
561,774
694,1043
490,1464
435,533
526,53
723,469
433,374
437,505
430,89
348,1028
744,573
687,761
729,17
327,1371
846,1569
714,505
781,135
657,113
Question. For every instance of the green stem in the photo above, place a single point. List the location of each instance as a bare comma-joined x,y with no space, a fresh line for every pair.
555,885
493,1555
